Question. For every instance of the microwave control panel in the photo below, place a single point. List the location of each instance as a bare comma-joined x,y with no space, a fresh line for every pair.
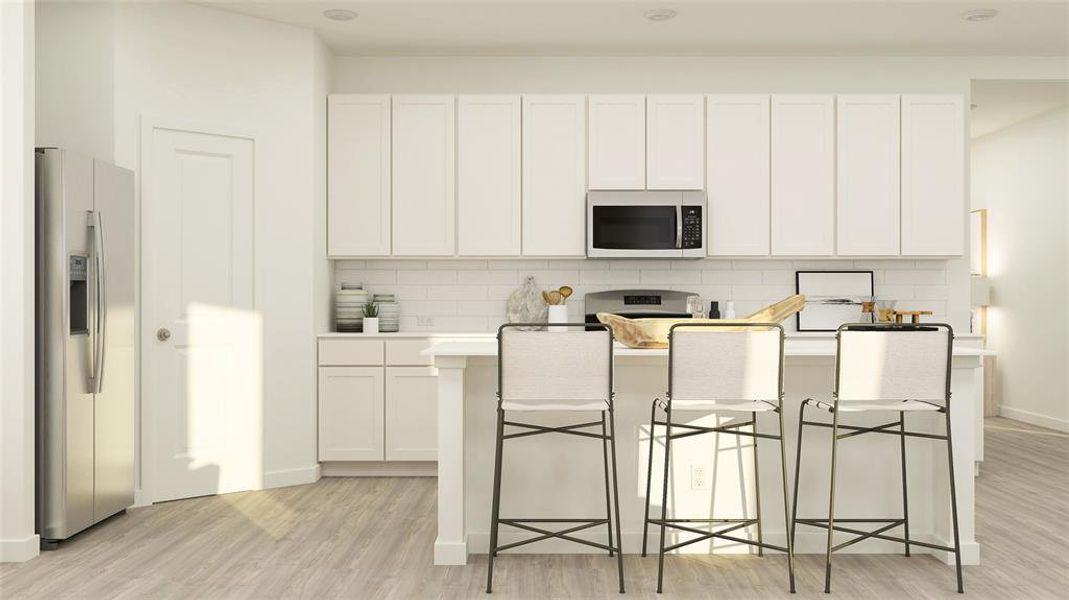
692,227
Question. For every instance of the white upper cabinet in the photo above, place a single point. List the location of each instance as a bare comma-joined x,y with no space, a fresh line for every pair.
617,156
554,175
737,138
424,174
488,175
358,175
675,148
933,175
803,175
867,176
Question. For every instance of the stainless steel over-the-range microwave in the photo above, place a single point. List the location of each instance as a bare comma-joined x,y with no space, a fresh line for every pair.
646,224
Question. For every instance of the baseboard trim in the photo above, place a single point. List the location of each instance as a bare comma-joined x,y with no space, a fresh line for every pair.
1032,418
14,551
380,469
289,477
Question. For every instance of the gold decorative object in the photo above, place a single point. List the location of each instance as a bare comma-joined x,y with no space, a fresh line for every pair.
653,333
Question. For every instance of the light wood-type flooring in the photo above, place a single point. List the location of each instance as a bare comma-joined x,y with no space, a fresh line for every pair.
372,538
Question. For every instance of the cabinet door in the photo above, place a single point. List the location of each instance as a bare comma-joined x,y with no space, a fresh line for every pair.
867,176
675,148
617,155
488,175
933,175
803,175
738,175
554,175
358,175
411,413
424,174
351,419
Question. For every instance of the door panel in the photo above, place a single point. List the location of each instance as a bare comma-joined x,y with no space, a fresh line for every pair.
867,176
488,176
933,175
803,175
424,175
675,136
358,175
617,159
202,385
114,405
738,174
351,420
411,413
554,175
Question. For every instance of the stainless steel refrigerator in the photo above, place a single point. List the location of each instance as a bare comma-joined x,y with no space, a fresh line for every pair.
85,342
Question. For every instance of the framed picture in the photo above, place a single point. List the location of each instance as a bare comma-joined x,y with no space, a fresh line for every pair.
832,298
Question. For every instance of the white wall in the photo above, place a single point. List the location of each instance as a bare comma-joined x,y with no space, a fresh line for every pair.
18,542
75,77
683,74
230,72
1021,176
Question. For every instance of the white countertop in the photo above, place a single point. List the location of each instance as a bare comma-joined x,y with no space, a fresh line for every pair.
437,335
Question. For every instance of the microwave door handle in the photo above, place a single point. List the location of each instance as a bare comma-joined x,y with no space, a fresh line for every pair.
679,226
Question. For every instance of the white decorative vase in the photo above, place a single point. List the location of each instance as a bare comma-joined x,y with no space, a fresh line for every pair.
558,313
371,324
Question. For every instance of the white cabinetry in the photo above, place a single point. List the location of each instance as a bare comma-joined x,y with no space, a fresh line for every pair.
424,172
617,155
675,149
488,175
737,139
377,401
411,413
351,413
554,175
358,175
803,175
933,175
867,176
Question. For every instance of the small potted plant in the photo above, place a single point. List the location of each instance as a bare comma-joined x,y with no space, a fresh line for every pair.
371,318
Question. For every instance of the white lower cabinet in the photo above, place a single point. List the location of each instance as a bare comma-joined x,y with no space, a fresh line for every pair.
374,412
411,413
351,413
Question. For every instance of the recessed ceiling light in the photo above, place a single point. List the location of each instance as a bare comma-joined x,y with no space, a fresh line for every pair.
339,14
980,14
660,14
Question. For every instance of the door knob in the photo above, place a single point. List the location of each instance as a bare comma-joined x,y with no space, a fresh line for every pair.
163,334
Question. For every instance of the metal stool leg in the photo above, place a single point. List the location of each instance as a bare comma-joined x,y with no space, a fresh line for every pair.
905,494
495,509
616,497
757,487
954,503
831,498
605,459
797,473
649,477
664,493
787,522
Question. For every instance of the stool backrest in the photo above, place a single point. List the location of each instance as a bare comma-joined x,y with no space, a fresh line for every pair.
555,366
893,362
725,362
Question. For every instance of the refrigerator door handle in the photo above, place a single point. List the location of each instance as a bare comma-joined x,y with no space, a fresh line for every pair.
100,322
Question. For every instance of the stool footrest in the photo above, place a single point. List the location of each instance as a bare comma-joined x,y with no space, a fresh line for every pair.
546,534
705,535
877,533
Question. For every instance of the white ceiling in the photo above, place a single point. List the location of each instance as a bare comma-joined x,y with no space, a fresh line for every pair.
997,104
724,27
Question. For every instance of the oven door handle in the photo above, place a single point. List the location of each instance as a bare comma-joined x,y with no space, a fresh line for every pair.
679,226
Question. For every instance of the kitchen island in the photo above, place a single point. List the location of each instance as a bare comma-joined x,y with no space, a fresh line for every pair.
711,475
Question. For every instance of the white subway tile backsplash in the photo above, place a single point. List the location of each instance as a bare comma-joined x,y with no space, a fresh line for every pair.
470,294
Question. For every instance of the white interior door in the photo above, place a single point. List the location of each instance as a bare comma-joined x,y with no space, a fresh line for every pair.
201,337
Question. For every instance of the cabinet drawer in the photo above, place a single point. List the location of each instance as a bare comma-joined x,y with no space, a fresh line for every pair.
350,352
406,353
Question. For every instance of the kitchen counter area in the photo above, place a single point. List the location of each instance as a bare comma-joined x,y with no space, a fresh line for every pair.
541,479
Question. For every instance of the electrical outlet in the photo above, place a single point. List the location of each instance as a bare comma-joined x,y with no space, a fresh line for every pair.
699,477
425,321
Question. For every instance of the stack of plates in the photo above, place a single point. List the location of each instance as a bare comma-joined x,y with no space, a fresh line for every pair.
389,312
349,307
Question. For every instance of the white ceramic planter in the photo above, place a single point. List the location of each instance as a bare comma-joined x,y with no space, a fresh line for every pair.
371,324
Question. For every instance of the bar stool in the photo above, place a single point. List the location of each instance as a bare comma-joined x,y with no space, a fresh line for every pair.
712,368
886,367
556,371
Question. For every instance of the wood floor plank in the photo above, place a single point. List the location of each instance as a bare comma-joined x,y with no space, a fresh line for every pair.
373,538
